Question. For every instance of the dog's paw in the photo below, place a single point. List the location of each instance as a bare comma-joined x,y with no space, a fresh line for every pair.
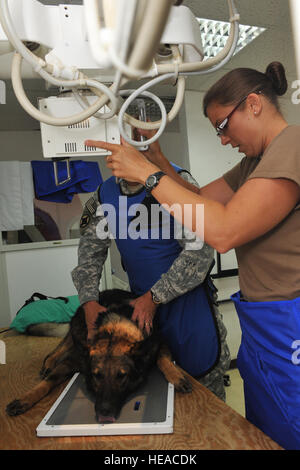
16,408
183,385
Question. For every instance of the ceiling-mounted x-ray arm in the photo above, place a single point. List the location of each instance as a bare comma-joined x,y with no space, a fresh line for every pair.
120,38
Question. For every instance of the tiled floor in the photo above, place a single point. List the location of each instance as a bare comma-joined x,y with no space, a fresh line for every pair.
235,393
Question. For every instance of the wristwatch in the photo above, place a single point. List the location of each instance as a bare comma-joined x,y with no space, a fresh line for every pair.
155,300
152,181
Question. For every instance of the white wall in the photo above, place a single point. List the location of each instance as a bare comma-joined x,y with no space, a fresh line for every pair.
175,144
20,145
43,270
208,158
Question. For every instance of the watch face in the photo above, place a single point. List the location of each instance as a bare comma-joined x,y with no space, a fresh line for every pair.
151,180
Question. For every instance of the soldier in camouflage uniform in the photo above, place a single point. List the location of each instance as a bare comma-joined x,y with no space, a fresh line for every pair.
187,272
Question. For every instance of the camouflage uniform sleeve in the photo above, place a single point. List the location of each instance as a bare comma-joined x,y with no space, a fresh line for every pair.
92,251
189,268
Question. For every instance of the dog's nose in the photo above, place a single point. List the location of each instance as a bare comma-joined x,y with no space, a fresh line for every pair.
105,419
104,412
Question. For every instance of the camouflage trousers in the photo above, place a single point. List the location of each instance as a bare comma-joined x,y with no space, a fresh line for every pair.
214,380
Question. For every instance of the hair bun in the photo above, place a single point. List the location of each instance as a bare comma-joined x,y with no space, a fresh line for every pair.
276,73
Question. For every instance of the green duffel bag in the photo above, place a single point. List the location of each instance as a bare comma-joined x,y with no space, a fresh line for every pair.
45,310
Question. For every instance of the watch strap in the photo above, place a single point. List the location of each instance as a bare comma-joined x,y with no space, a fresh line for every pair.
158,175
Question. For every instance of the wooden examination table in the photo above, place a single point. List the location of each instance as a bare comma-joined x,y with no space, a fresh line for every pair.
201,420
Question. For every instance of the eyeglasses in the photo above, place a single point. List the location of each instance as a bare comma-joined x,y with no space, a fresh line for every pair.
222,126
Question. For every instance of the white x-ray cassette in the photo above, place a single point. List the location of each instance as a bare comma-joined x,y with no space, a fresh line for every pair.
149,410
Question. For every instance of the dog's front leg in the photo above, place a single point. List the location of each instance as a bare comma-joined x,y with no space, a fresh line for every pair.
58,375
171,372
64,348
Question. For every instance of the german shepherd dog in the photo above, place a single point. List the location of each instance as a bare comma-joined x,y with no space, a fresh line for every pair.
114,363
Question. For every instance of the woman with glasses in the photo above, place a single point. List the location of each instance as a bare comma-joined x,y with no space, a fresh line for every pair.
254,208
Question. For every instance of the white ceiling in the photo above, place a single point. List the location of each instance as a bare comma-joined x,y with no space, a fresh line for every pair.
276,43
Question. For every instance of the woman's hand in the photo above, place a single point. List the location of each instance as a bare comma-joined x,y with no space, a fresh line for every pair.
125,161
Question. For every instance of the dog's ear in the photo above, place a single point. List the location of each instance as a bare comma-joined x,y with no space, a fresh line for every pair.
142,350
99,320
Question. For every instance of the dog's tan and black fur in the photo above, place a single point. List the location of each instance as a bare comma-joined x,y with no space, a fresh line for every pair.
114,363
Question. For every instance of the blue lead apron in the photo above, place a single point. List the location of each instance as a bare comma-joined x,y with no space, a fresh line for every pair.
187,323
269,363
